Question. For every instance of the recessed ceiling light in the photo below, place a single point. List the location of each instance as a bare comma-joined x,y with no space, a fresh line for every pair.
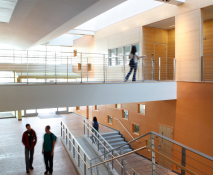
6,9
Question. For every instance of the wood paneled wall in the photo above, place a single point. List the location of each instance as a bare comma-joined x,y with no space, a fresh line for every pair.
188,34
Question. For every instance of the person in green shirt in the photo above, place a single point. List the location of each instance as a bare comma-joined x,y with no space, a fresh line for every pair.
48,150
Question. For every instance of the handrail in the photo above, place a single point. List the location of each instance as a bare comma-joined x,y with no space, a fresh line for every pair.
170,140
147,147
172,161
124,128
119,156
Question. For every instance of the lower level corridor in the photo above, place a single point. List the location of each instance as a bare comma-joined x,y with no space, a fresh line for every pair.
12,157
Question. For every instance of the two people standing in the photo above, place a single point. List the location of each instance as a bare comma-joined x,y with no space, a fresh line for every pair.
29,139
133,56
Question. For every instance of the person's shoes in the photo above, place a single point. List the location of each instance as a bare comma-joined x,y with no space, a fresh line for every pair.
125,80
46,172
27,171
31,167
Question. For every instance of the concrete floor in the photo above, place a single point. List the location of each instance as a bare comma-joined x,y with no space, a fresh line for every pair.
12,158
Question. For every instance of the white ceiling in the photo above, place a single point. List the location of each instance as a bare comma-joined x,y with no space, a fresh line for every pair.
121,12
6,9
38,21
165,24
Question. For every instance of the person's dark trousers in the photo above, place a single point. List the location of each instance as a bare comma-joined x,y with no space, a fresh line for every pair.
131,69
29,158
48,159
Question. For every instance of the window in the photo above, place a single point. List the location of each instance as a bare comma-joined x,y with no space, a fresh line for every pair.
31,111
118,106
141,109
112,54
125,114
75,53
78,108
119,58
96,107
127,50
89,66
109,119
79,66
135,128
62,109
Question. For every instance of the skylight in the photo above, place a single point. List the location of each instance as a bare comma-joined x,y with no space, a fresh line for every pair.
121,12
6,10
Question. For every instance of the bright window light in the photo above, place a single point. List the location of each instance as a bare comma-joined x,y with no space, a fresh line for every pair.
6,10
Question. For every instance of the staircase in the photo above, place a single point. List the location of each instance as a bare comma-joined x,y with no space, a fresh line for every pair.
116,140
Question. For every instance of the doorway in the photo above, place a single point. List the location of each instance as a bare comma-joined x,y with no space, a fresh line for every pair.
165,147
89,112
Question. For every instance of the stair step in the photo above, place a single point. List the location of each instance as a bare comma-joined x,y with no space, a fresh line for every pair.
110,133
112,137
110,141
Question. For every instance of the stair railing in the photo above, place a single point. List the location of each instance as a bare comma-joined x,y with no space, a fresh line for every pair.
96,139
189,158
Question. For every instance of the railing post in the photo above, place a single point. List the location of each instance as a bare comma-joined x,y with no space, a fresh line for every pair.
85,168
55,69
153,69
67,71
90,168
46,68
124,166
78,156
202,68
108,168
159,68
104,151
153,153
81,67
87,69
104,69
61,128
73,148
98,142
66,136
27,66
124,62
69,142
142,69
112,157
87,130
21,68
174,67
183,160
96,162
84,127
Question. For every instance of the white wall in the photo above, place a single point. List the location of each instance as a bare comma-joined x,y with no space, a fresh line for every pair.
20,97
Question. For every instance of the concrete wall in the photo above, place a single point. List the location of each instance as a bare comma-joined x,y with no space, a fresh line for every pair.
20,97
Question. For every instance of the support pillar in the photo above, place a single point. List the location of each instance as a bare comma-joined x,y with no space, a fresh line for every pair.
19,115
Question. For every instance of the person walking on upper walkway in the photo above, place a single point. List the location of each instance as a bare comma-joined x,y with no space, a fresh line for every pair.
133,56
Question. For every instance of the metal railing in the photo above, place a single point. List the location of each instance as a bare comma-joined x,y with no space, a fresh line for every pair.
151,153
165,156
96,139
25,67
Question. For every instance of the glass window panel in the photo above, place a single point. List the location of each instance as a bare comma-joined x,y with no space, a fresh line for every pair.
125,114
127,50
119,59
136,129
110,119
118,106
62,109
137,47
112,60
7,114
141,109
30,111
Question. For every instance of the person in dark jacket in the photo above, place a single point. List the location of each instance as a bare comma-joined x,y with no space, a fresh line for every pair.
29,139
